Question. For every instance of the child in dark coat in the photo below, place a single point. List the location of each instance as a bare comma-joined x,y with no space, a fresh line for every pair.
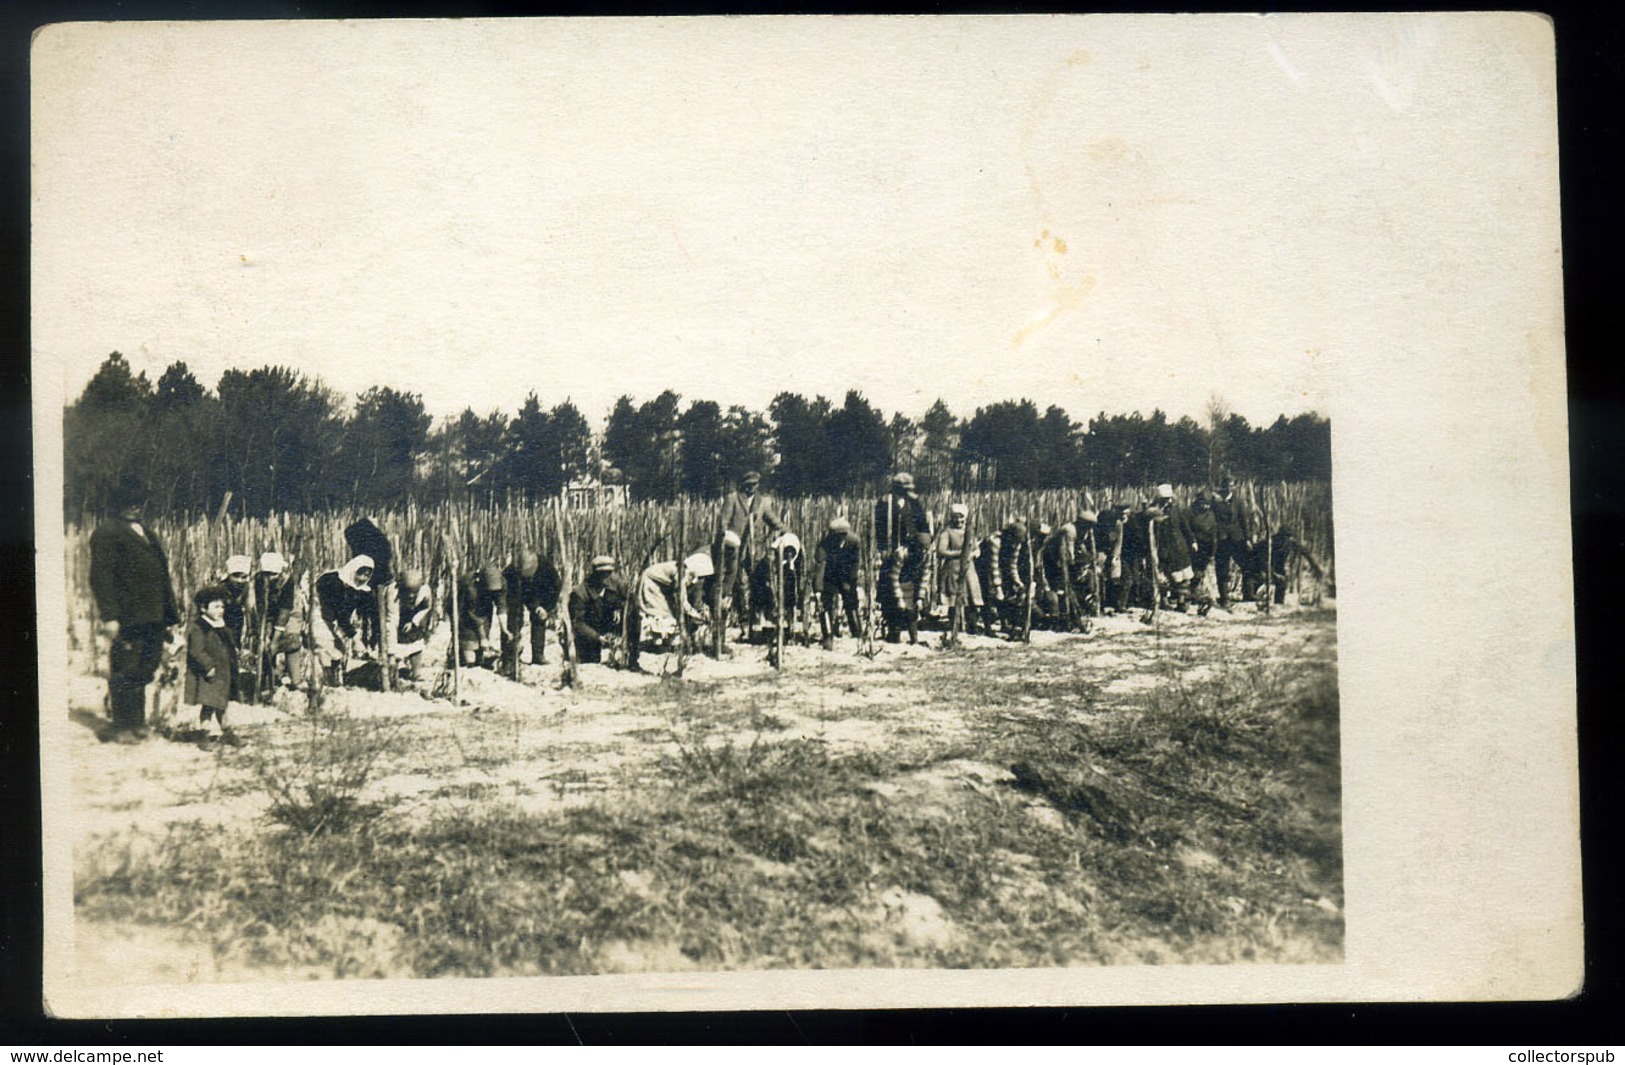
209,657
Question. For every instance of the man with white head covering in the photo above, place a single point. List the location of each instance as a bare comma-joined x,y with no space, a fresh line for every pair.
1176,542
344,608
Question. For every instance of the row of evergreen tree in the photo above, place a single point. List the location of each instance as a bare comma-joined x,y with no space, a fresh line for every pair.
278,440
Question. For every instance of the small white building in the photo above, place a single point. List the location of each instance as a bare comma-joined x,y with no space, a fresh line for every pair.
585,493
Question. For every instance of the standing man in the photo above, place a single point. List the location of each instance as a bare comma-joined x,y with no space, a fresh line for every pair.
742,512
1176,543
129,576
835,574
1234,541
1112,538
957,583
903,537
1205,529
532,586
1015,576
986,560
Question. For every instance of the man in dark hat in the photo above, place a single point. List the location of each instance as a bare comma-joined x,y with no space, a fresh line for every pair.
129,576
532,587
1017,576
1233,542
903,538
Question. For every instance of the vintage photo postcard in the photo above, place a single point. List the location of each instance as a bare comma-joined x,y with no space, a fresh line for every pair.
717,513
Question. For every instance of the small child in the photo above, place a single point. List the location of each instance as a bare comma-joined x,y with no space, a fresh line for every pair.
209,659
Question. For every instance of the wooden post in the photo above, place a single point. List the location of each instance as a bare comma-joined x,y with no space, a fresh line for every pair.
866,638
682,556
1094,571
777,584
719,577
569,675
456,611
1156,568
312,666
261,610
1031,584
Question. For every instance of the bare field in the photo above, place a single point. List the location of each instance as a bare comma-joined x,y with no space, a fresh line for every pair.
1126,797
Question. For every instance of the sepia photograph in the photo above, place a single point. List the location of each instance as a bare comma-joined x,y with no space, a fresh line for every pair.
686,503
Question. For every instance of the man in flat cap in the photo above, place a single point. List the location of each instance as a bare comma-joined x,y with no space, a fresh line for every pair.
742,512
129,577
599,608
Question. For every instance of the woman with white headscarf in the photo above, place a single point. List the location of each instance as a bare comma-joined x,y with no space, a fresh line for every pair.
660,600
344,608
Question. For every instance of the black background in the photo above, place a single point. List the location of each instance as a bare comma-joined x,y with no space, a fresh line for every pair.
1591,90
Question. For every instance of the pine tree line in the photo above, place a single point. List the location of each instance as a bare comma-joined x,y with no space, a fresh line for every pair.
272,439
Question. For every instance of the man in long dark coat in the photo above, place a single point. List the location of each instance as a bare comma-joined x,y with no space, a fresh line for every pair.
903,537
835,573
129,576
1176,543
742,513
1235,540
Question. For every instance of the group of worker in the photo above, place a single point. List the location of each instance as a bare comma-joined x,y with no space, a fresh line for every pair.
269,625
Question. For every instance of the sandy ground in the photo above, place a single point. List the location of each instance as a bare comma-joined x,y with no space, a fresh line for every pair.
541,747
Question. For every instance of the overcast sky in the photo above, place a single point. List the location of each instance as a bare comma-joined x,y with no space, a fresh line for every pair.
1104,213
